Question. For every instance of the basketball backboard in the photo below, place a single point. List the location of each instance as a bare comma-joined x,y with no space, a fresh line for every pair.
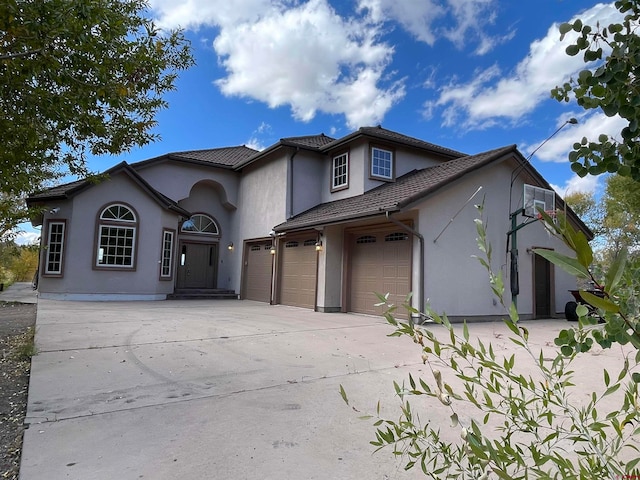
537,197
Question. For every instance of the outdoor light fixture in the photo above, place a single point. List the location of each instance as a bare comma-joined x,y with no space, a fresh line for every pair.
273,250
230,247
319,246
55,210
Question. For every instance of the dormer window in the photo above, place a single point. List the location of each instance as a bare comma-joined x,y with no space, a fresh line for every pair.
340,172
382,167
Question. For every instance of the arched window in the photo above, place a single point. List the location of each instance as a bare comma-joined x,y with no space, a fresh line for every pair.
202,224
117,229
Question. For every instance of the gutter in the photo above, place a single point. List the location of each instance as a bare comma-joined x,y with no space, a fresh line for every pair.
415,233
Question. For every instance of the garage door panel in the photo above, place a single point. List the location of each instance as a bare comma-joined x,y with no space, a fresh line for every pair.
257,280
298,275
380,263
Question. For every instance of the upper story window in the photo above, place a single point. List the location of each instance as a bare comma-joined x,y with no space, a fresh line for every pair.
340,172
117,230
201,223
382,164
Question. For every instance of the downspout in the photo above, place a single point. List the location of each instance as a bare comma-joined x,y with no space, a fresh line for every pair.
290,183
415,233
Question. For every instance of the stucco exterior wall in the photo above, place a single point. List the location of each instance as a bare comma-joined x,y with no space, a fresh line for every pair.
330,269
262,202
81,213
176,179
308,184
455,282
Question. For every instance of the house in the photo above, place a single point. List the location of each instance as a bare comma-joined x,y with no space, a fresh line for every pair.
313,222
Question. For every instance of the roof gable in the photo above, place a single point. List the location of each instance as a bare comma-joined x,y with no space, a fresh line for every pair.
383,134
69,190
406,190
225,157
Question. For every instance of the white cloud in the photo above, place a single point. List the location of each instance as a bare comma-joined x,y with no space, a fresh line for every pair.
311,59
302,55
481,101
465,19
27,238
590,125
588,184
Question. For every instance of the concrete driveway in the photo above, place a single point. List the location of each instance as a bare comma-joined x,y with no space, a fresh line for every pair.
216,390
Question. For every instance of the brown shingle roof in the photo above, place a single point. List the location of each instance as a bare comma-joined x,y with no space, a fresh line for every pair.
393,196
309,142
68,190
395,137
219,157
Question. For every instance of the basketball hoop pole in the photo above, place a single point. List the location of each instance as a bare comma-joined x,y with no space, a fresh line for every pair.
512,235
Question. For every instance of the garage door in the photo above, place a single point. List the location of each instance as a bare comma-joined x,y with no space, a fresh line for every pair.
298,272
257,279
380,263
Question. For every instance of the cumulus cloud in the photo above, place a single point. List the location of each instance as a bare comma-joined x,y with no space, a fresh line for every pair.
590,125
492,94
306,56
27,238
465,20
588,184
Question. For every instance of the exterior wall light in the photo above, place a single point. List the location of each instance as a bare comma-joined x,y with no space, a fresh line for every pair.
319,246
230,247
273,250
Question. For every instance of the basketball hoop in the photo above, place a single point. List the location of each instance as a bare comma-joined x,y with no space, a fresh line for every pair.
551,213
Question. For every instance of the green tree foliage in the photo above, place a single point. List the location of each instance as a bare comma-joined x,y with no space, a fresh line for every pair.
610,86
588,209
519,416
78,77
622,214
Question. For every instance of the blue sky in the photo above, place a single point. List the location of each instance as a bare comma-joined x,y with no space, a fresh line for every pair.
471,75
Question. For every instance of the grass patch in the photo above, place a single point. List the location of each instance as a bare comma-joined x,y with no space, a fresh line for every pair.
23,346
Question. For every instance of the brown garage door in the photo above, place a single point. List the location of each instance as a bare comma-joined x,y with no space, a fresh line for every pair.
298,273
380,263
257,273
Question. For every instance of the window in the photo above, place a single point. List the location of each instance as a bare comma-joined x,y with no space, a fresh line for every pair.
55,248
116,237
381,163
340,169
396,237
166,269
202,224
291,244
366,239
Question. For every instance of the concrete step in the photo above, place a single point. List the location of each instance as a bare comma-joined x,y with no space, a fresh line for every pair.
202,293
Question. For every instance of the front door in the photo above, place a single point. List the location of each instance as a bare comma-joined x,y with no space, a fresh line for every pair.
542,287
197,265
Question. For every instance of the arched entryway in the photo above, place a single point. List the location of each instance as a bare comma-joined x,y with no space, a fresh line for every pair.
198,253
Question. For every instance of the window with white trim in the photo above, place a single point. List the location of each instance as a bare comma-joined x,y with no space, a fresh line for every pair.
116,237
55,248
340,172
167,254
381,163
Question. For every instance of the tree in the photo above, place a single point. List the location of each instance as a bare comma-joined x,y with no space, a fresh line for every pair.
622,214
611,86
588,209
78,77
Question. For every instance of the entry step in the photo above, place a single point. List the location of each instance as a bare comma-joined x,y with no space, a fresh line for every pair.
203,293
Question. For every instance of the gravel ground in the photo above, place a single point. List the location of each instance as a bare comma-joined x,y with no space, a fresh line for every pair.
16,320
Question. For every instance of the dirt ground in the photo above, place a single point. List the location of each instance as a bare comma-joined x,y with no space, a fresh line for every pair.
15,322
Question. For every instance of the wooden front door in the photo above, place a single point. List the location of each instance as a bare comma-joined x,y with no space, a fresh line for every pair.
543,298
197,265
